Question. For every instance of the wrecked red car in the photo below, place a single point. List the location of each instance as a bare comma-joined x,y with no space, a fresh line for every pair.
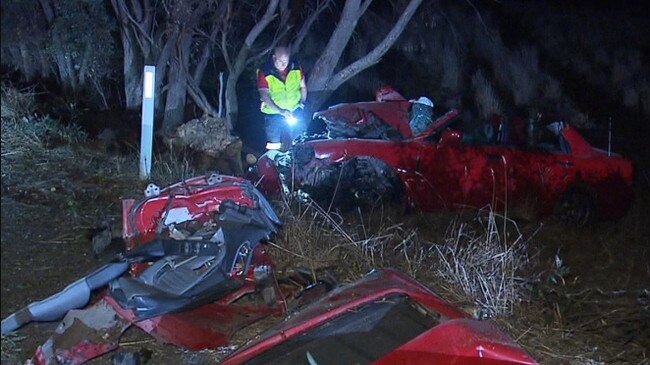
194,249
373,151
384,318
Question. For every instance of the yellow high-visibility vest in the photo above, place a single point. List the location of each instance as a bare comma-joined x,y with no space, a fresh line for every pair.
285,94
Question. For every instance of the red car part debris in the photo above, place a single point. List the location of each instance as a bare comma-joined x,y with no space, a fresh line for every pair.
364,322
233,216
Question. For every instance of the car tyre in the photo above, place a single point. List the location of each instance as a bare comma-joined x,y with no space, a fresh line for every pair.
374,182
576,207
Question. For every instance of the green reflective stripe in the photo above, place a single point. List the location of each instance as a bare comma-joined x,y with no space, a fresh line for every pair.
285,94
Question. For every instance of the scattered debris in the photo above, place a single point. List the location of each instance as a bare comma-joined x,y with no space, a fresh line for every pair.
384,318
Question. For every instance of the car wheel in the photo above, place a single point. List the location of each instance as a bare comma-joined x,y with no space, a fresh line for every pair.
374,182
576,207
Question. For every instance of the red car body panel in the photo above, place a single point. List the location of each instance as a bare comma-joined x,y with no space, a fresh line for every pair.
207,326
213,324
439,169
394,113
458,339
198,197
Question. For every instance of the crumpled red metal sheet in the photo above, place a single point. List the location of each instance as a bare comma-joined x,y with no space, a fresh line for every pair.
457,340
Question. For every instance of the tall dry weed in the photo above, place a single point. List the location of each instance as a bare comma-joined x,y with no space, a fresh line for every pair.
479,260
15,103
484,262
169,167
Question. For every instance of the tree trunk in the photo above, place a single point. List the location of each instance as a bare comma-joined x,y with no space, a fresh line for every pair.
232,105
237,67
321,82
177,92
135,21
66,73
132,69
28,71
326,63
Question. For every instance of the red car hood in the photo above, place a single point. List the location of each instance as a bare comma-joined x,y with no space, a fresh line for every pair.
457,339
393,113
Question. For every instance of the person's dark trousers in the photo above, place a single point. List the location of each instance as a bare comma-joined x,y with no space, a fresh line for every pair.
279,131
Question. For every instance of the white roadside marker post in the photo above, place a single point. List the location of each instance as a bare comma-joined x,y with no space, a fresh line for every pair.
146,135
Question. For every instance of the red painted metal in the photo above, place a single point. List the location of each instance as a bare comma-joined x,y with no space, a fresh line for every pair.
267,176
200,198
79,353
395,113
208,326
458,339
439,169
213,324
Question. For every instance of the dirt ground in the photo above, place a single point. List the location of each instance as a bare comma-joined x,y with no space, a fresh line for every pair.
596,311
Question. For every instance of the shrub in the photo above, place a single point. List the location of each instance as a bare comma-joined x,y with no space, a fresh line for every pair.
17,103
523,65
481,264
485,97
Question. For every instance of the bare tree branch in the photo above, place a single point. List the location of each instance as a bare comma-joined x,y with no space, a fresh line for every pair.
374,56
242,57
125,14
199,98
327,62
206,53
48,10
478,15
364,7
321,5
285,13
227,21
268,16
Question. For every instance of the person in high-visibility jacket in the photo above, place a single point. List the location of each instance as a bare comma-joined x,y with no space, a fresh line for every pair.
283,93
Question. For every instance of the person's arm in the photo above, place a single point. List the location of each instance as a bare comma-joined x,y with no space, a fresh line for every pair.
303,91
303,87
265,97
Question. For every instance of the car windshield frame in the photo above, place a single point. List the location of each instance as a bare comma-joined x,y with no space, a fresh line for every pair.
358,336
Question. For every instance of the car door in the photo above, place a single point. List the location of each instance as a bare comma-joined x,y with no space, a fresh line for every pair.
541,173
456,173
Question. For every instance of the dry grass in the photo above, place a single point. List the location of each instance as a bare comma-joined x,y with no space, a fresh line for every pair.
484,262
559,311
17,104
169,167
11,345
480,258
